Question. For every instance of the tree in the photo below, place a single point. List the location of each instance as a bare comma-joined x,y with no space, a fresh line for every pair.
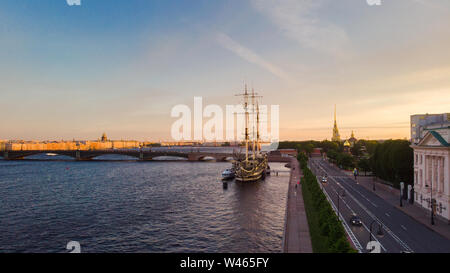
356,149
364,165
333,155
328,146
345,161
393,161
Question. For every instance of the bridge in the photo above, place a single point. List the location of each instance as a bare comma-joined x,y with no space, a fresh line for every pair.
145,155
139,154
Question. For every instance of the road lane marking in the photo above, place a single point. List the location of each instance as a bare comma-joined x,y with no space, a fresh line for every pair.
363,196
389,231
353,212
346,227
395,237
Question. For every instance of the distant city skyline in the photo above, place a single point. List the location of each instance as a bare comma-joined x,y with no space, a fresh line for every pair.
78,71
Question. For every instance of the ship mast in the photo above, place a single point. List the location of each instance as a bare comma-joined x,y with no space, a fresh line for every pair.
255,140
253,124
246,122
258,144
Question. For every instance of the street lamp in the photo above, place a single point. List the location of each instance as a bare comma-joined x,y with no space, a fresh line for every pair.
339,195
431,201
380,233
374,179
401,193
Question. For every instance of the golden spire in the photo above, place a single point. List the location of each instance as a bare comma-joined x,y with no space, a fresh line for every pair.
335,114
336,136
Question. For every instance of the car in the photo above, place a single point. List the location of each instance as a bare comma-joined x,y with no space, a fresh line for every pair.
355,221
324,179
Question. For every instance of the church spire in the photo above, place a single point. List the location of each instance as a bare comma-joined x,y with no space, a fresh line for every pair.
335,114
336,136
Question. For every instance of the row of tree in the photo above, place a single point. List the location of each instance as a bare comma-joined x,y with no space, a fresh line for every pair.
390,160
327,233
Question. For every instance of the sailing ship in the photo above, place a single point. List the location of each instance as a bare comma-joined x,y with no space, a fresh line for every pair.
252,165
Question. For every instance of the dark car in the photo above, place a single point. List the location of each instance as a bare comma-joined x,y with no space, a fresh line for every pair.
355,221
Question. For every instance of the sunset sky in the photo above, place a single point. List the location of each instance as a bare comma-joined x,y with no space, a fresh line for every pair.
119,66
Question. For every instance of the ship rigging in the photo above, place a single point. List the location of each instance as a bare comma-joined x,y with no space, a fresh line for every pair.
251,167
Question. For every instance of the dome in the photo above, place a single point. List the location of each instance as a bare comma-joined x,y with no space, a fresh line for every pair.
104,138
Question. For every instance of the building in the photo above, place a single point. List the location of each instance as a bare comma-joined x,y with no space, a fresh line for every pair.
347,147
352,140
432,168
285,152
103,144
419,124
336,136
316,152
104,138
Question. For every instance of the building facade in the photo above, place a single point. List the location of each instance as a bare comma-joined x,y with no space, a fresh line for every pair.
432,171
419,124
103,144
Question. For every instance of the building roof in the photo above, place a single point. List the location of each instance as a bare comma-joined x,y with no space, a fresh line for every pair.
440,138
435,135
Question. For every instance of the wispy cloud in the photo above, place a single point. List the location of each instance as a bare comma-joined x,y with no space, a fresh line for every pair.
252,57
299,21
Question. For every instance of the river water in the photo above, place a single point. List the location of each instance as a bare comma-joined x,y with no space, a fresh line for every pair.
130,206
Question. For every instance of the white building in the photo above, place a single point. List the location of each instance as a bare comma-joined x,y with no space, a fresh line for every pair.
419,124
432,170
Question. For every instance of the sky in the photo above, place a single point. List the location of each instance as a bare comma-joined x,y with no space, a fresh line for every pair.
119,66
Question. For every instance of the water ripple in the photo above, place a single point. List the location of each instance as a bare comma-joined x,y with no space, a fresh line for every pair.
137,207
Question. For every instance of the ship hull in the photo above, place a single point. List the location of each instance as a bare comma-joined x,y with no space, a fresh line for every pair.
252,170
251,178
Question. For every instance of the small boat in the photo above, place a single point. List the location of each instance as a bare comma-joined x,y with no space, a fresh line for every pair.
228,174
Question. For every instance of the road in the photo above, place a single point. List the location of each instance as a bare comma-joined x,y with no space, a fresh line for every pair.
401,232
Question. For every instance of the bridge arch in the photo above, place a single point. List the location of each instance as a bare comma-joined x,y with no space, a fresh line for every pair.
115,156
168,158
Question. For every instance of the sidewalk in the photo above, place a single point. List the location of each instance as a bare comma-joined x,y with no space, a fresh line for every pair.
296,232
392,196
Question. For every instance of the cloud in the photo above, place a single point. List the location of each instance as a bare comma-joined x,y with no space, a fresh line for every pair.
298,21
250,56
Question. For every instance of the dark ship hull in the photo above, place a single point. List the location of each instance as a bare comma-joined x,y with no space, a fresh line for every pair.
251,170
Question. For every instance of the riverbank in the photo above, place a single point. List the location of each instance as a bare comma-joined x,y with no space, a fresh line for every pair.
296,233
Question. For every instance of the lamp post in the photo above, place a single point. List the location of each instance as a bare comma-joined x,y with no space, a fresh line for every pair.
431,202
374,179
401,194
339,195
380,233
